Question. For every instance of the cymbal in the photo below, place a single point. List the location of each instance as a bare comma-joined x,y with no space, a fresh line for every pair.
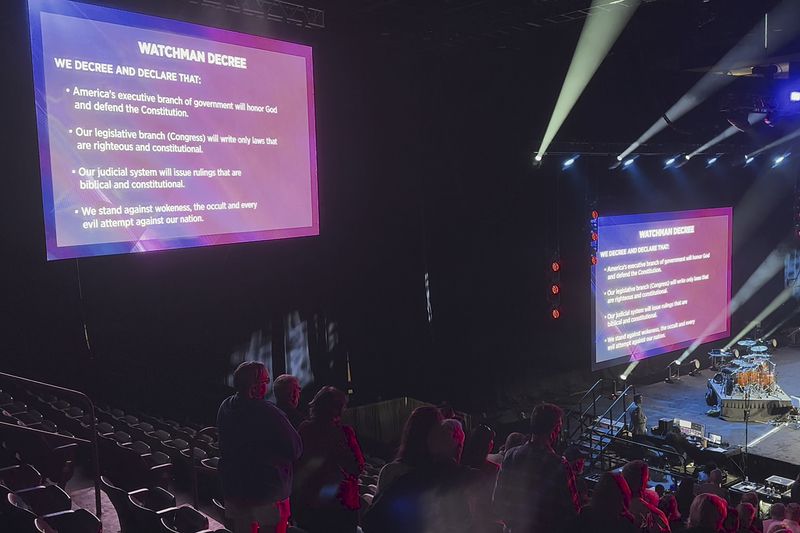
747,342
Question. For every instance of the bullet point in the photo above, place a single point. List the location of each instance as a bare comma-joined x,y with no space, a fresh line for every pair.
76,211
70,131
73,172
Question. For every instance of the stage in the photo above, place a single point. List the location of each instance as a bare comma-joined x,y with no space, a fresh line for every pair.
685,399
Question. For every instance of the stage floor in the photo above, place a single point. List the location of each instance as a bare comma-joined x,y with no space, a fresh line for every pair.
685,399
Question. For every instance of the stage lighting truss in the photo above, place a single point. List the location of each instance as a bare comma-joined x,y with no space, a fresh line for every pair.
737,109
271,10
594,235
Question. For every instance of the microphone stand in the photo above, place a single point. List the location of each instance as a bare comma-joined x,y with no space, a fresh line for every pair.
746,427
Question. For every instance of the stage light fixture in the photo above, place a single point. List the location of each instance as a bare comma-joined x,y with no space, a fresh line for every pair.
595,236
538,158
669,161
712,160
748,160
595,214
594,260
628,162
623,377
555,266
556,314
794,96
555,289
778,160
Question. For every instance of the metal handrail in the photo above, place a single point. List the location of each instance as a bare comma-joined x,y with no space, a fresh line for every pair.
653,448
608,415
93,436
581,413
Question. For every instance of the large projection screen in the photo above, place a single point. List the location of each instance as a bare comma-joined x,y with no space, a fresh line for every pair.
157,134
662,281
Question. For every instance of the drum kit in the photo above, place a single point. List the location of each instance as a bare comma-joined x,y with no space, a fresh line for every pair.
752,373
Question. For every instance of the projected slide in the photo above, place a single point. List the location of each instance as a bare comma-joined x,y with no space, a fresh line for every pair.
157,134
661,282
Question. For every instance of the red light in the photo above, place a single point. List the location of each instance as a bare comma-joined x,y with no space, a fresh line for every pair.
595,236
595,215
594,260
556,266
555,289
555,313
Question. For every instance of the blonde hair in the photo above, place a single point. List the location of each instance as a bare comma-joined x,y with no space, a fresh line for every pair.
707,510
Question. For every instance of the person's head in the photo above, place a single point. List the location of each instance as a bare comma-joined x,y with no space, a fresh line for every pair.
513,440
446,440
686,489
413,449
637,474
546,422
611,495
328,405
731,522
478,446
793,512
659,490
637,399
777,511
751,498
747,514
251,380
669,506
715,477
708,510
287,390
576,459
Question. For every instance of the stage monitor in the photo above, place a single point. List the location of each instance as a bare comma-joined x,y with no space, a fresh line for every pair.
714,439
661,283
157,134
690,429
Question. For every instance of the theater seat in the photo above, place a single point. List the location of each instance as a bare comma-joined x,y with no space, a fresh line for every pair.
44,499
184,519
77,521
123,506
148,507
20,477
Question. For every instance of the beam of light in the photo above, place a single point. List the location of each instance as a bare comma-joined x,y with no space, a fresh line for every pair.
669,161
599,33
628,370
711,161
765,435
746,51
778,160
786,138
779,300
752,118
765,272
748,160
781,323
629,162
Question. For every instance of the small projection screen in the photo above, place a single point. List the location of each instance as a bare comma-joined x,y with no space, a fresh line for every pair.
662,282
157,134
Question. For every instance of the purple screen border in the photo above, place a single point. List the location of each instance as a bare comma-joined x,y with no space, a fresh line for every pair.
126,18
659,217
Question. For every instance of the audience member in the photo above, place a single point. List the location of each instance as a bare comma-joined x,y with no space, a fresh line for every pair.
659,490
608,512
535,489
795,494
707,514
413,451
430,498
752,498
647,515
577,461
325,497
776,514
668,504
685,496
257,448
747,517
791,521
714,485
484,477
287,398
512,441
731,523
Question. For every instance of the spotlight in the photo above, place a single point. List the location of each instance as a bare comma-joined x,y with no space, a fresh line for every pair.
628,162
794,96
555,266
774,343
712,161
669,161
595,236
623,377
594,260
538,158
568,162
555,289
555,313
688,156
619,158
748,160
595,215
778,160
